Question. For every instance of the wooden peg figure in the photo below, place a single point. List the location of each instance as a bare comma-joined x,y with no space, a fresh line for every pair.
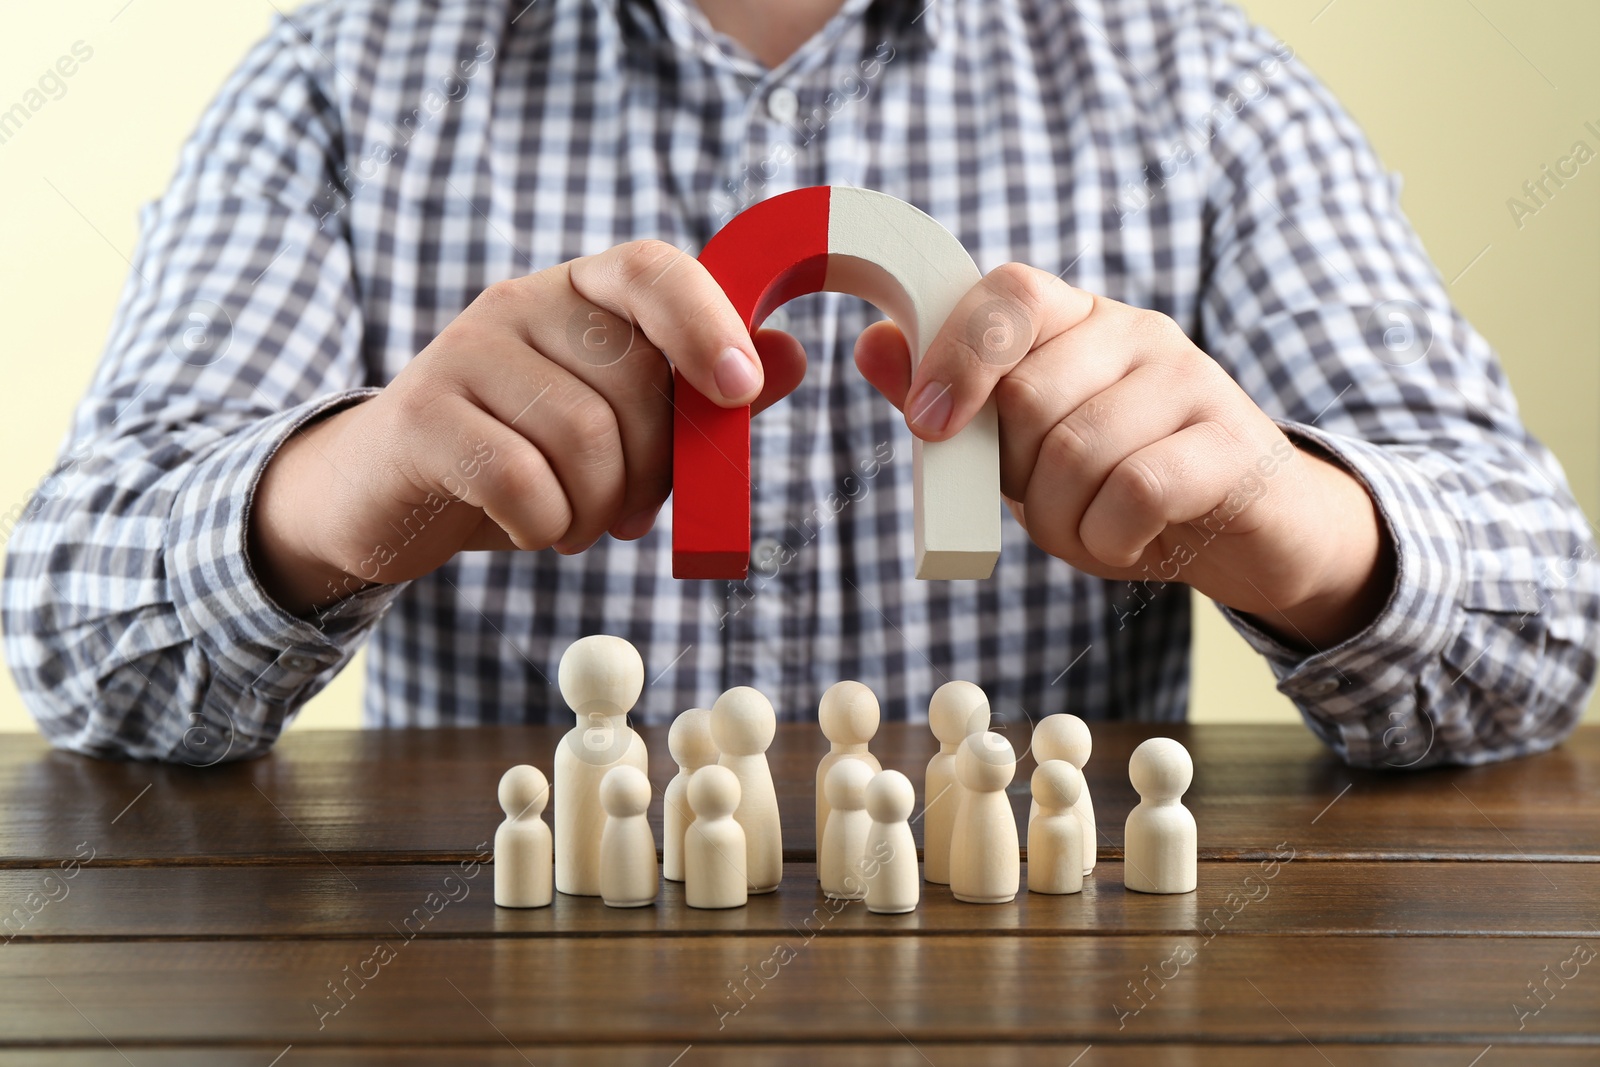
523,875
1159,840
743,725
890,862
957,711
689,742
600,679
985,855
629,877
713,846
1066,737
844,844
1055,834
848,715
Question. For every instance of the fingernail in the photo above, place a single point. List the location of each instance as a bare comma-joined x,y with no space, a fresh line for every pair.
930,411
735,375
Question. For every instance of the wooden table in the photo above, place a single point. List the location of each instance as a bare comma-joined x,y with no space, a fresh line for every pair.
180,916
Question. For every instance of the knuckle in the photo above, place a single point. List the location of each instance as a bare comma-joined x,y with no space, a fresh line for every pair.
640,263
1021,284
1157,332
1070,444
592,422
1139,484
499,299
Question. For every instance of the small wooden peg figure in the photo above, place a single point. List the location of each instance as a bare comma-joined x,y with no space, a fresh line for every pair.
523,875
1055,834
689,742
890,861
629,877
848,715
713,846
1159,839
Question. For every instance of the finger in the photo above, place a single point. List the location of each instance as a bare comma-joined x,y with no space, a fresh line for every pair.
1000,320
1067,371
1175,480
682,311
783,359
1072,458
571,424
465,453
884,359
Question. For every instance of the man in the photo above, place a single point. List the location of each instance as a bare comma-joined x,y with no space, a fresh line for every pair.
393,362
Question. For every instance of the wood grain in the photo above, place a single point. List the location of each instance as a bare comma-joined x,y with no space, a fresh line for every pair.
829,989
1333,899
901,1054
404,796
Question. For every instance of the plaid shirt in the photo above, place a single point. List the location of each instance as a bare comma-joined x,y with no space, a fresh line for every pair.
373,166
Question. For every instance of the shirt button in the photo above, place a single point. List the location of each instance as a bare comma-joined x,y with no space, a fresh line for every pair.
299,661
764,557
782,104
778,320
1321,688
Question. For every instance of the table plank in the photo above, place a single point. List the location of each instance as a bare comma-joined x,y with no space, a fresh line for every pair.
590,991
1331,898
877,1055
406,796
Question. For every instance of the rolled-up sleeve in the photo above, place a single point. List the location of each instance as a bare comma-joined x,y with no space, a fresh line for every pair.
1322,303
134,623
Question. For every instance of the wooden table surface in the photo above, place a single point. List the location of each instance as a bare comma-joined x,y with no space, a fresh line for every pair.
158,915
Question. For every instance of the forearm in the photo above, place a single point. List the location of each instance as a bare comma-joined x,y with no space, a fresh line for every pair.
134,625
1486,646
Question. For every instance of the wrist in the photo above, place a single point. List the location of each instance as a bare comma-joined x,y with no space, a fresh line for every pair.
1353,557
287,515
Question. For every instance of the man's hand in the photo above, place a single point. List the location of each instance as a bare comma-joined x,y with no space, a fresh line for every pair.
541,417
1130,454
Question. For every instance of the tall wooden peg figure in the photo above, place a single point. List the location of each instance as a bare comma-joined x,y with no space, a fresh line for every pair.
523,876
600,679
1159,840
629,877
713,846
689,742
890,862
1066,737
743,725
844,844
1055,835
848,715
985,855
957,711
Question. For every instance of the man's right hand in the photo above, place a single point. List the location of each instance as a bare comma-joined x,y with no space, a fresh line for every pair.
540,418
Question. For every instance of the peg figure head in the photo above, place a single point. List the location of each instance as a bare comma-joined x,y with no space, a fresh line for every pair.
523,792
1064,737
890,797
848,713
846,785
624,791
713,792
743,722
689,739
600,675
986,762
1160,769
1057,785
957,711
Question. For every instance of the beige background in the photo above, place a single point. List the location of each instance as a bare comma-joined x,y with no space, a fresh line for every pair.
1468,100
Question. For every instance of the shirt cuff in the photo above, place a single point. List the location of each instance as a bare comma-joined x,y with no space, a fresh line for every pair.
1381,664
250,641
